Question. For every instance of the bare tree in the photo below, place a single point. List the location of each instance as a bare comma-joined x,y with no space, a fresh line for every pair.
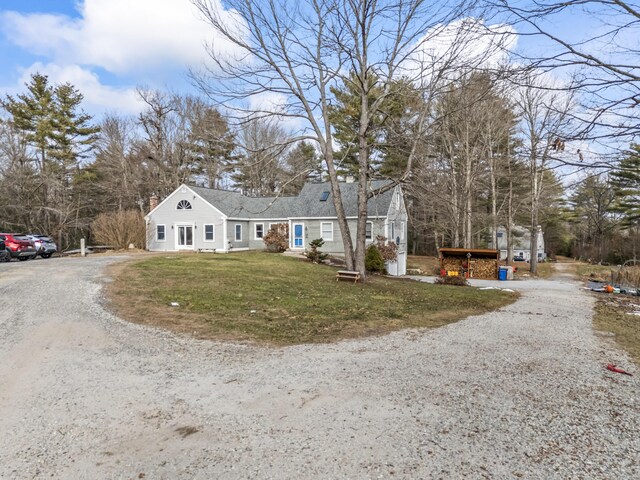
601,53
118,171
293,52
259,169
546,119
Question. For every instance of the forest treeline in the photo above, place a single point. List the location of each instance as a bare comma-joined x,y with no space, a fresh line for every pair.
484,163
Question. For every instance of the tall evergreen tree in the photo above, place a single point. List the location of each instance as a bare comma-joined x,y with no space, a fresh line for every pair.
59,134
626,183
345,116
300,164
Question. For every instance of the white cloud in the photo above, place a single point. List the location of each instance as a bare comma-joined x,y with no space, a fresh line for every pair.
121,36
98,98
459,47
271,103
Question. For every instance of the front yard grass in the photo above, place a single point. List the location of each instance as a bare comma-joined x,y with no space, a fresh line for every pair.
614,314
587,271
270,298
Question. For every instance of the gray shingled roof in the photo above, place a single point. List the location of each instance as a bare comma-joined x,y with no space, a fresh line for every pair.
310,206
234,204
306,205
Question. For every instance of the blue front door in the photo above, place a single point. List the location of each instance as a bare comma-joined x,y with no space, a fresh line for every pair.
298,235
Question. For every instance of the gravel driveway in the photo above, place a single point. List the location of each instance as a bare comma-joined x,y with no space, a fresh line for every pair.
518,393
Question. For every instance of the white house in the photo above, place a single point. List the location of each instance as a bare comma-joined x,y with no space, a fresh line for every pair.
198,218
521,238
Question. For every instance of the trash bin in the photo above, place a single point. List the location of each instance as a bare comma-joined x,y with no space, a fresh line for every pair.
510,269
502,273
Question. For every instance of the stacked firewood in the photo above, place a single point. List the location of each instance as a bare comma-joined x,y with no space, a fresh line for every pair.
453,263
486,268
483,268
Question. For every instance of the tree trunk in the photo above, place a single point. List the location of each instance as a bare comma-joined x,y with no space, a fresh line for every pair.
533,244
510,220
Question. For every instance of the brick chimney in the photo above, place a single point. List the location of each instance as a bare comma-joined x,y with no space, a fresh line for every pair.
153,202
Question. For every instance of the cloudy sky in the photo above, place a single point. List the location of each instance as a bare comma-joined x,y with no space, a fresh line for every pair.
104,47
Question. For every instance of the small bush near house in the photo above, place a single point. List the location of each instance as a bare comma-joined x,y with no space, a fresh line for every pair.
458,281
373,260
277,238
315,255
119,229
388,250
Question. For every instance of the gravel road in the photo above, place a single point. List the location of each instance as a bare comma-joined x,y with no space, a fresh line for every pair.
518,393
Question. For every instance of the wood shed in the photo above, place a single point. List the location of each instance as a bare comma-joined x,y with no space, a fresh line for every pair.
470,262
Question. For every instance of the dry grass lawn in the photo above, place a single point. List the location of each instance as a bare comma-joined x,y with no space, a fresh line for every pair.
429,265
273,299
613,312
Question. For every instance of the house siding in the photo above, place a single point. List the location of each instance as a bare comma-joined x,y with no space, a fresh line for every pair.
521,239
259,243
201,213
313,230
208,207
398,217
232,244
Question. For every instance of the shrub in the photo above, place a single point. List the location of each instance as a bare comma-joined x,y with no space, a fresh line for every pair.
458,281
388,250
277,238
315,255
119,229
373,260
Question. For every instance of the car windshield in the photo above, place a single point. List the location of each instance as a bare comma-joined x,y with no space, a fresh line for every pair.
21,238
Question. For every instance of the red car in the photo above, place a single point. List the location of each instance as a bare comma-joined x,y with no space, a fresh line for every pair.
19,246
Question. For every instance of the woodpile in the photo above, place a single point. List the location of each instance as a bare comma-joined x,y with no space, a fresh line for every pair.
485,268
453,263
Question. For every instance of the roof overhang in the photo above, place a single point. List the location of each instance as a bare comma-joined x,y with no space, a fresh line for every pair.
473,252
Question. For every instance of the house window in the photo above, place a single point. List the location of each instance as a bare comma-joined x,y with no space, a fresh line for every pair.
238,232
208,233
183,205
393,231
161,233
259,230
401,230
369,231
326,229
324,196
499,235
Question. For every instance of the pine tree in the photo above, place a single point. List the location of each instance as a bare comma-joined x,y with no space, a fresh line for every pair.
626,183
300,164
32,113
345,116
59,134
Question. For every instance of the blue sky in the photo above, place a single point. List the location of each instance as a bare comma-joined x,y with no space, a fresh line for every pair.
107,48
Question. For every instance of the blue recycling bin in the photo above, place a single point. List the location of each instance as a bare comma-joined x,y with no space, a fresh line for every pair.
502,274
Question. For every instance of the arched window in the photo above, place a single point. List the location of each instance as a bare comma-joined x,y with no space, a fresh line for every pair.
183,205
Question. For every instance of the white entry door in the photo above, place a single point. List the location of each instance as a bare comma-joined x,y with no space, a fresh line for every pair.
184,237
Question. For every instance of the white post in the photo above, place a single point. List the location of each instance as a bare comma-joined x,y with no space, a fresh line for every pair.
82,252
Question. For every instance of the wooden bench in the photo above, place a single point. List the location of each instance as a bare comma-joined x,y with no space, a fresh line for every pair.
347,275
